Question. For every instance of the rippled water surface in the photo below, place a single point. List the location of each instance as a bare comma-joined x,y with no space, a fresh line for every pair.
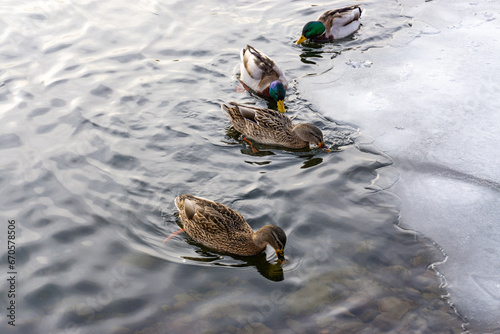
111,109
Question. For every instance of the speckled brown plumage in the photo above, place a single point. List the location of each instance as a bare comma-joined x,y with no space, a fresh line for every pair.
268,126
217,226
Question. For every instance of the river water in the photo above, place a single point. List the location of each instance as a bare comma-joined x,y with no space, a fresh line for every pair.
110,110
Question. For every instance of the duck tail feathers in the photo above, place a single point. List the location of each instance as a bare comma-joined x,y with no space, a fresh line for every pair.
177,201
230,110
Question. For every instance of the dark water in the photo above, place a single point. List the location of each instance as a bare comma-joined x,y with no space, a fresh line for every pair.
112,110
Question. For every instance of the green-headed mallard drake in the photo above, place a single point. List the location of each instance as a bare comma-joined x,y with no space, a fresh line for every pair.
261,74
219,227
268,126
332,24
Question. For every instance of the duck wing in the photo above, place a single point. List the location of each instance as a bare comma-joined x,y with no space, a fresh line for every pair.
270,119
342,22
257,64
341,16
212,217
263,118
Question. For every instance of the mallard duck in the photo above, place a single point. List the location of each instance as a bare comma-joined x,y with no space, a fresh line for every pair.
219,227
268,126
332,24
261,74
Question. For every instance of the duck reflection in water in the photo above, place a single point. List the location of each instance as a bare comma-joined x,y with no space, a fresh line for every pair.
273,271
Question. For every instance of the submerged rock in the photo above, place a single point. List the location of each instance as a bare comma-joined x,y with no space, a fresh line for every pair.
394,307
257,328
385,322
309,298
361,306
296,326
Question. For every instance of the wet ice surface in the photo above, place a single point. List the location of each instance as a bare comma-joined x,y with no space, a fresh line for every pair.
430,100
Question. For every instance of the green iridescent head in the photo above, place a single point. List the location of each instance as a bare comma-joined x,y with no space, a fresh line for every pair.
312,29
278,92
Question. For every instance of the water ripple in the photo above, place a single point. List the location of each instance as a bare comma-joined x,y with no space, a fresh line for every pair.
108,118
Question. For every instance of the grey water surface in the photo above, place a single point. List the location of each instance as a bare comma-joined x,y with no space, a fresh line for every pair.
110,109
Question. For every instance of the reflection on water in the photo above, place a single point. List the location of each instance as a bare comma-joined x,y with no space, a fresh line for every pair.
271,271
110,112
311,162
313,52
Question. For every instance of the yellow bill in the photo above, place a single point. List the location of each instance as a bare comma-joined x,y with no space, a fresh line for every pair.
281,106
300,40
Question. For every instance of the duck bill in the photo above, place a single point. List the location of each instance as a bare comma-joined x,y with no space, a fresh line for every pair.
323,146
281,256
281,106
300,40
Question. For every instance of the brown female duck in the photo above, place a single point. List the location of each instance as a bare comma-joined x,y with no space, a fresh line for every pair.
268,126
217,226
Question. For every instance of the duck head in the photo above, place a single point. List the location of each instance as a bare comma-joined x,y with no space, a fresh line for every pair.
278,92
310,134
311,29
275,237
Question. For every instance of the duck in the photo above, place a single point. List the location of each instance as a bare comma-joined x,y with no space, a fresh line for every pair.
260,74
332,24
267,126
223,229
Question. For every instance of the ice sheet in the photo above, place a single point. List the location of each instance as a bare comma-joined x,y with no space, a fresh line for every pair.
430,100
